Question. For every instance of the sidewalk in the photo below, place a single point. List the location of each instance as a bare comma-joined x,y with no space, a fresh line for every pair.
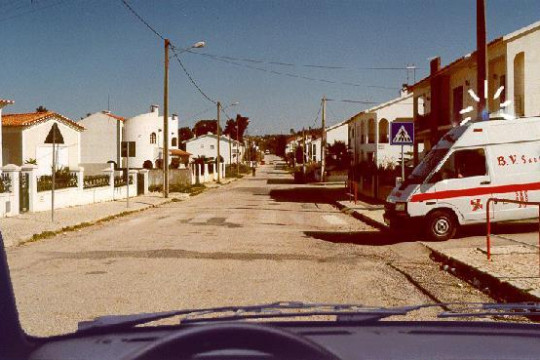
512,274
25,227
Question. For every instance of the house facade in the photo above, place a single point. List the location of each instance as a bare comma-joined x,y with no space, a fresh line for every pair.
24,140
338,132
369,131
146,130
206,146
3,103
101,141
513,75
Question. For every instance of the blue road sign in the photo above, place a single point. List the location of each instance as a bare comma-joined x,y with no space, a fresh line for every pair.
401,133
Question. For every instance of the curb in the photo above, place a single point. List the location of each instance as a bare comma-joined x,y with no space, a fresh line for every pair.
496,288
359,216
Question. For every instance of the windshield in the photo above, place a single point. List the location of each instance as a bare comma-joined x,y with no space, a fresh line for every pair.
168,155
428,164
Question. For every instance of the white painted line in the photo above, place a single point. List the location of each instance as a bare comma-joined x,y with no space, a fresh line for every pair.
201,218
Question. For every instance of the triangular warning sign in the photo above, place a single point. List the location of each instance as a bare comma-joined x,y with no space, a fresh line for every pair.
54,136
402,136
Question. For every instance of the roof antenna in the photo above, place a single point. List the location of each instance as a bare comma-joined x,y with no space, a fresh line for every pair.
108,102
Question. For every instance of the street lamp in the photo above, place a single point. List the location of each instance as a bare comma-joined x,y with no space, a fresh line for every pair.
197,45
218,160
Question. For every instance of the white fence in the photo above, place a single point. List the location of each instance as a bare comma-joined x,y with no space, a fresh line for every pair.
19,189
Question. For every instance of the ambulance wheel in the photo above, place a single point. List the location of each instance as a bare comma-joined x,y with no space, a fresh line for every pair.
441,225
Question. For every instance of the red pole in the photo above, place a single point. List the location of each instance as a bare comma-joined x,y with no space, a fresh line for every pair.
488,239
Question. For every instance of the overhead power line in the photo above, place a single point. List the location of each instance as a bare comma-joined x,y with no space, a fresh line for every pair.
173,48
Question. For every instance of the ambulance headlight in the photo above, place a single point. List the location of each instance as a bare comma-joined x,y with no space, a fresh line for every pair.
401,206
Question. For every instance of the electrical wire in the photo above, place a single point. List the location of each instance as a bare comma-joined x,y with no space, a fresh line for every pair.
173,49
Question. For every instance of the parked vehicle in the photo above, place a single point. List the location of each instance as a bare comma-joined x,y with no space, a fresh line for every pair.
470,164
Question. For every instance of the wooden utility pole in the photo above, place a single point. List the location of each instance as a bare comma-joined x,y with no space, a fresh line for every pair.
481,59
166,123
218,160
323,138
304,151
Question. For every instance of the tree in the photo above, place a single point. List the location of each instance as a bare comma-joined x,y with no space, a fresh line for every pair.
338,156
203,127
236,128
184,133
41,108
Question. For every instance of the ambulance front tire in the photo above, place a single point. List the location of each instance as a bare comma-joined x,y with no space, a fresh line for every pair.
441,225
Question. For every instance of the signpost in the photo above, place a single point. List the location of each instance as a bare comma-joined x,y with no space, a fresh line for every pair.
54,137
128,150
402,133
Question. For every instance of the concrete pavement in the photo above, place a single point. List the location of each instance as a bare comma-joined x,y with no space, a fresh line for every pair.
261,239
512,273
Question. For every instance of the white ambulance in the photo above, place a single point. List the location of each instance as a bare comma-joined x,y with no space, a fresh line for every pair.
470,164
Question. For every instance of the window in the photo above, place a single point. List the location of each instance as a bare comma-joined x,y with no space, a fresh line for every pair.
383,131
519,84
464,163
153,138
457,105
174,141
371,131
212,147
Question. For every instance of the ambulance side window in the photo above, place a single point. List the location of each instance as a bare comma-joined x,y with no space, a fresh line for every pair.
462,164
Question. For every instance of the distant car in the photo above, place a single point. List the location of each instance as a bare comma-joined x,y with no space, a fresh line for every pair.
267,151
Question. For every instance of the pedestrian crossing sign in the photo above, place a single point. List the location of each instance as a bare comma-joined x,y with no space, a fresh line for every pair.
402,133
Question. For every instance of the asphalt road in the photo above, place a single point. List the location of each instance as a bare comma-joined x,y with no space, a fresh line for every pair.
256,240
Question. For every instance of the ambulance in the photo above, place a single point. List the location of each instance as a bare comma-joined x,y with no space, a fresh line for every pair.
471,163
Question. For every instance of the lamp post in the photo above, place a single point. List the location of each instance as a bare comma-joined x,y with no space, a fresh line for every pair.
165,164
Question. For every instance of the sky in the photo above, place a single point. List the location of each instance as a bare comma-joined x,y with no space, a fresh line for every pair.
276,59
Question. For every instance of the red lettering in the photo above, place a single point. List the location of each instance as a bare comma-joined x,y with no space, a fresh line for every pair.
524,159
501,160
513,158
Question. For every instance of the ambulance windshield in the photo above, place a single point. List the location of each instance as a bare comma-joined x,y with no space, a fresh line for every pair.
428,164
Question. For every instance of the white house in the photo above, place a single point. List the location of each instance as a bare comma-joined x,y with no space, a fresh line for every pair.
101,141
24,139
206,146
369,131
146,130
337,132
3,103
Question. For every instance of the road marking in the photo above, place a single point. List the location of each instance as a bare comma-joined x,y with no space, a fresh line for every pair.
334,220
202,218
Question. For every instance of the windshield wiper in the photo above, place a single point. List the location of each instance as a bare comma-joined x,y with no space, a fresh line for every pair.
488,309
344,312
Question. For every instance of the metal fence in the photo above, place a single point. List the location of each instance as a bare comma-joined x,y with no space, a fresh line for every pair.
93,181
63,179
5,183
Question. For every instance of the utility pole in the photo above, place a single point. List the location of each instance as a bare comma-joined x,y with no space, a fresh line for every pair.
237,149
218,165
323,138
481,59
166,123
304,151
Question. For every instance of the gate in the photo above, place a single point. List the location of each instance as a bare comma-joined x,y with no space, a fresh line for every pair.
24,197
140,184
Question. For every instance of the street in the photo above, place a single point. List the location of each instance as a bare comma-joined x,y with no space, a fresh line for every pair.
257,240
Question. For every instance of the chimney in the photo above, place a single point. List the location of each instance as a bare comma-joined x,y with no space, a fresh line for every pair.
175,116
154,108
404,90
434,65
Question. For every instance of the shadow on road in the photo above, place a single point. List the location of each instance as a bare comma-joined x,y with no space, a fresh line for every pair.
280,181
367,238
308,195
